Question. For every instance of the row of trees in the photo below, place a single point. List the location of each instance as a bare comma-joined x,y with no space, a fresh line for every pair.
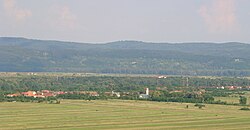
109,83
161,96
190,97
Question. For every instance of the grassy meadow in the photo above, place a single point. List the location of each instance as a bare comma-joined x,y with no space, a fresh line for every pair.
228,99
234,98
121,115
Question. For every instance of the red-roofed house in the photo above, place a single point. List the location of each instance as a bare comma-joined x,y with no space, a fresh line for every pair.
29,93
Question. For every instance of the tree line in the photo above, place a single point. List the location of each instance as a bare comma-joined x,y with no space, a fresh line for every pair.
113,83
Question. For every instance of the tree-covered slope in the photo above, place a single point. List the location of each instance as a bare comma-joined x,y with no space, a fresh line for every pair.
227,59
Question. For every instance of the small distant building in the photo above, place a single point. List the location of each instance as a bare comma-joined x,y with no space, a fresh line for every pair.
231,87
90,93
31,73
143,96
60,93
45,91
117,94
162,77
29,94
147,91
93,93
146,95
222,87
239,87
13,95
48,95
39,96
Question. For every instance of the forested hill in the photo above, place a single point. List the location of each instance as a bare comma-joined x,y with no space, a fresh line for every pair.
131,57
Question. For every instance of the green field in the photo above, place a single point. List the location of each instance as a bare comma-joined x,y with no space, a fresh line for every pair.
228,99
120,114
234,98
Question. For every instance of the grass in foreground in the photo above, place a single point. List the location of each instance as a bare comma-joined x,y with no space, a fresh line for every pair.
120,114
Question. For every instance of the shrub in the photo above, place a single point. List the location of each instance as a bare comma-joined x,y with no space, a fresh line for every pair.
245,109
199,105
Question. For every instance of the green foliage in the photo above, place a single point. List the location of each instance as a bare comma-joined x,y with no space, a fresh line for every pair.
80,96
128,57
1,97
243,100
117,83
170,89
200,106
189,97
245,109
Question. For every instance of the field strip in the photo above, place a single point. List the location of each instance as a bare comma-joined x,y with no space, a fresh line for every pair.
142,126
156,119
120,114
132,123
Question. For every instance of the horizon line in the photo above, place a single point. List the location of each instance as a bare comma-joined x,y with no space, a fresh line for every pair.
80,42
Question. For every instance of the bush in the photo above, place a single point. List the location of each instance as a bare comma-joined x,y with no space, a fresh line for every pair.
199,105
243,100
245,109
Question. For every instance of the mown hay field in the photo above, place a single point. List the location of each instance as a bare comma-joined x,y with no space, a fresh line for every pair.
121,115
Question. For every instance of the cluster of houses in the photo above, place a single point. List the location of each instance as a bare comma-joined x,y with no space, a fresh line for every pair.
229,87
90,93
113,93
162,77
48,93
142,95
37,94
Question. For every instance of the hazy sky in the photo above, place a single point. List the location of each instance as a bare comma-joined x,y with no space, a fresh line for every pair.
112,20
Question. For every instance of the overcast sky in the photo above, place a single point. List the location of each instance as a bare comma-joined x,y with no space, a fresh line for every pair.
112,20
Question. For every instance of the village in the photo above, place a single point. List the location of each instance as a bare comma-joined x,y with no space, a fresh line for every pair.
142,95
48,93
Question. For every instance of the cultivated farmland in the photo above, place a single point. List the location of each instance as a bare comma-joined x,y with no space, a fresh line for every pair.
120,114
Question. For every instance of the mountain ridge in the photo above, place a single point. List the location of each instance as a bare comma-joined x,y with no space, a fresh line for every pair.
131,57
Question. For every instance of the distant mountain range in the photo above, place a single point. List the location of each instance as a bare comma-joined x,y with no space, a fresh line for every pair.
129,57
